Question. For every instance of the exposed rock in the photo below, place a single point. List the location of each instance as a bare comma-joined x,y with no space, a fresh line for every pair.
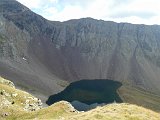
39,102
4,114
32,107
13,102
32,104
14,94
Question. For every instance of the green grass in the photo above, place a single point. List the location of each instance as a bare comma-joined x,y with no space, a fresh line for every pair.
140,97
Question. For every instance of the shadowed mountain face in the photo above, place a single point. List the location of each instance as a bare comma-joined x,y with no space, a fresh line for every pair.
42,55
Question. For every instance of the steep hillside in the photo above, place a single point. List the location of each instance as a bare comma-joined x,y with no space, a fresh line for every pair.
43,56
18,62
17,104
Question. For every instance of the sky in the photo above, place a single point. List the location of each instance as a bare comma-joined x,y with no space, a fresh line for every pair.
131,11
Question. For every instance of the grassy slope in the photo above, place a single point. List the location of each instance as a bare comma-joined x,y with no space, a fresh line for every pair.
115,111
139,97
63,110
55,111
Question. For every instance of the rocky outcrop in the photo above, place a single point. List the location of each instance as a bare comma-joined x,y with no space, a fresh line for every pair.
69,108
11,97
6,82
39,54
32,104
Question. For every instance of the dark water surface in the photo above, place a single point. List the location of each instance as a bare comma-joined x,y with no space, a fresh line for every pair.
87,94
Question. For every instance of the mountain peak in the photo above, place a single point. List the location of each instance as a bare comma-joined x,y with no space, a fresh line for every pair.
11,7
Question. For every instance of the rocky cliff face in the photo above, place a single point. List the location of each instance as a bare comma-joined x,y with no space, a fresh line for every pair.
42,55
